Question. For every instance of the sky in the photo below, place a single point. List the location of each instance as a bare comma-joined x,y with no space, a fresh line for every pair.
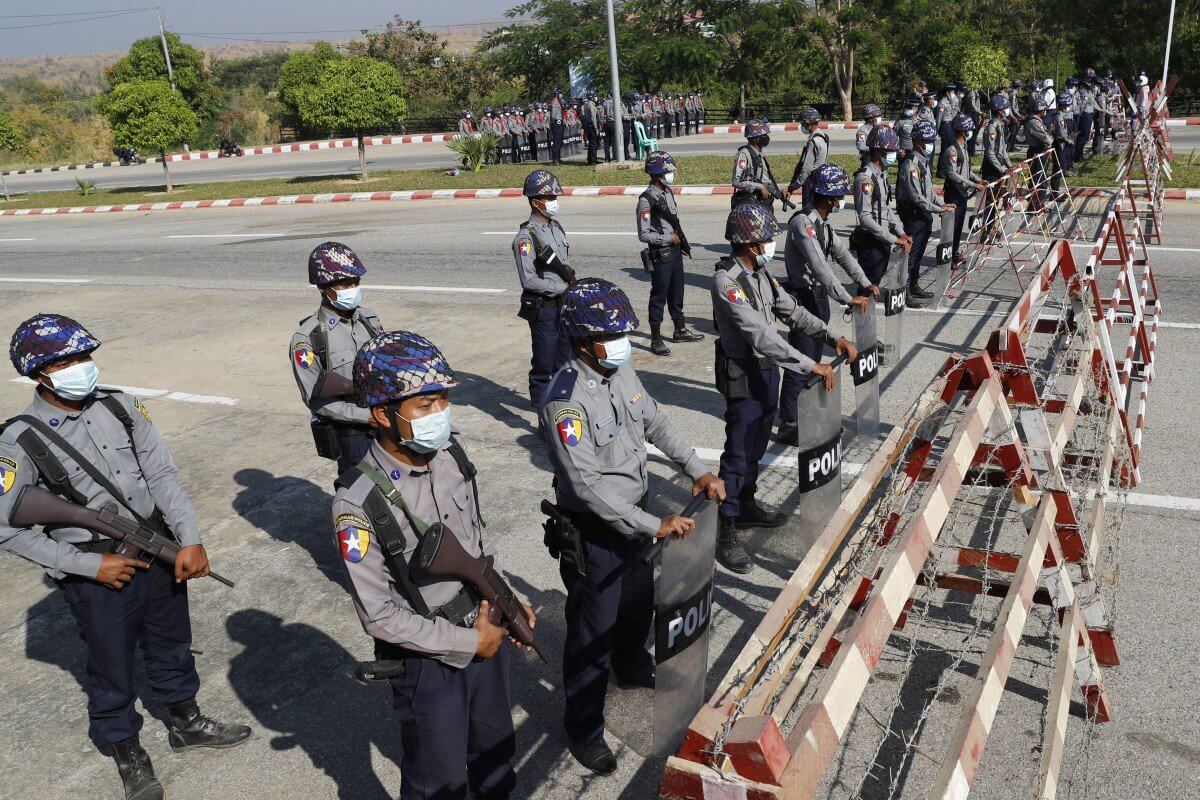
24,34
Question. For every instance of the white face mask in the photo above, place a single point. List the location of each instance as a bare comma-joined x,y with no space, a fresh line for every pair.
551,209
927,149
347,299
837,205
769,250
430,432
908,112
616,353
889,159
76,382
668,178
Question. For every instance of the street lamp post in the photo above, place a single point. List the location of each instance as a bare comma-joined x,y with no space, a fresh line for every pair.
1167,56
162,36
618,130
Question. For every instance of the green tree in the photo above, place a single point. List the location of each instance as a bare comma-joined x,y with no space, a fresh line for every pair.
10,139
355,94
985,66
300,74
145,62
149,116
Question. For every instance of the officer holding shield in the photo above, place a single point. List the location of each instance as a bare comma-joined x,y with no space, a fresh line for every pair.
916,203
597,418
878,229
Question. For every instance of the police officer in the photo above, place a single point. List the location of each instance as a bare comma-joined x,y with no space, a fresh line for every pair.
972,107
927,111
544,269
916,203
961,180
746,302
657,221
811,246
945,114
904,124
814,154
878,229
871,117
597,418
93,447
996,162
610,128
452,688
326,343
1014,113
516,128
1063,124
1038,140
752,179
466,125
556,126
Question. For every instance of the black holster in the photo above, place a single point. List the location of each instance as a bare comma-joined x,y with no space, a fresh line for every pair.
647,260
531,304
325,437
563,539
732,381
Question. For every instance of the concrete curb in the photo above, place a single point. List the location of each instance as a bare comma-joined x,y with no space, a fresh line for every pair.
432,194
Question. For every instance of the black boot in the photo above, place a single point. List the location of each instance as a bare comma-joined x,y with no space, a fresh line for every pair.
682,334
595,755
755,516
189,728
137,773
915,290
657,345
788,434
730,553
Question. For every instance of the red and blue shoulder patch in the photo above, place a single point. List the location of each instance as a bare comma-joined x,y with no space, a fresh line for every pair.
353,536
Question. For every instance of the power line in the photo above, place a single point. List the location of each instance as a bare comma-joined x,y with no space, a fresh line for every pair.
109,15
72,13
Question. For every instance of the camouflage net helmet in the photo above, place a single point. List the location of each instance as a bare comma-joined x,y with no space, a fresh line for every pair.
751,223
594,307
923,129
331,262
882,137
396,365
541,183
1065,100
962,124
757,127
829,180
44,338
659,163
872,110
809,115
1038,103
999,102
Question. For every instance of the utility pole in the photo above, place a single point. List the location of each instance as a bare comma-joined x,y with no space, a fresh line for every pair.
1167,57
618,129
162,36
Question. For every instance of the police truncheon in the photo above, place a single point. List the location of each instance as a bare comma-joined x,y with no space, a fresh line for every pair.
682,612
820,459
864,371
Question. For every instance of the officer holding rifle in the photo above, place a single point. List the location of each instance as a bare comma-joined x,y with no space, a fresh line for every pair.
99,448
598,417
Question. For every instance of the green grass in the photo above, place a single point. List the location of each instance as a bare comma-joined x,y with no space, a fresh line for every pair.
696,170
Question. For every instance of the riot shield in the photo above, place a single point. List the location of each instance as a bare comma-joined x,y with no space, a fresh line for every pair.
683,610
819,412
864,370
944,251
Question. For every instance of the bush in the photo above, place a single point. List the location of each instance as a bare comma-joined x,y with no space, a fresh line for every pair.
475,150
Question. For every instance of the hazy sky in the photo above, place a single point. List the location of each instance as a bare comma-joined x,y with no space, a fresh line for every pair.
233,19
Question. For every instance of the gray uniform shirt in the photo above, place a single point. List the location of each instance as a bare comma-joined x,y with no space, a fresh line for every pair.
811,243
1036,133
745,177
748,329
142,470
955,167
556,109
944,112
903,126
914,184
814,154
926,113
860,136
597,427
524,246
345,337
873,203
652,228
995,145
437,492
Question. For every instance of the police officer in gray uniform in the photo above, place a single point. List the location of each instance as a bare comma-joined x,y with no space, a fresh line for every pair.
916,203
752,179
447,664
326,343
878,229
93,447
961,181
544,269
597,418
872,115
814,154
904,124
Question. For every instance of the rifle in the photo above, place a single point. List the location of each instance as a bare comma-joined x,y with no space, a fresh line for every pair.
441,554
771,186
652,551
36,506
549,261
660,207
330,384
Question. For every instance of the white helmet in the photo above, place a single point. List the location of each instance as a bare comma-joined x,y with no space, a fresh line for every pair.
1048,83
1143,80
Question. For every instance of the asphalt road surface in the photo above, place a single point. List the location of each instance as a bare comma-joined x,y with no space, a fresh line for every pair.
783,150
195,309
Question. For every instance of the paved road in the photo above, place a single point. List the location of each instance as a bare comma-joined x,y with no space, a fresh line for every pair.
198,307
784,147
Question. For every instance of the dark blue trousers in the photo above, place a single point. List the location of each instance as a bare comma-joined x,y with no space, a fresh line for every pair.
813,347
608,619
151,611
748,424
550,351
456,729
666,289
873,258
953,195
919,225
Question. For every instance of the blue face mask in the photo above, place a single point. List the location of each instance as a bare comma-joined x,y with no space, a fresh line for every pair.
347,299
928,149
76,382
616,353
430,432
889,159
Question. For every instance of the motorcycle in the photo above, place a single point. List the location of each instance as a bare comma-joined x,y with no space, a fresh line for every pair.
127,155
229,149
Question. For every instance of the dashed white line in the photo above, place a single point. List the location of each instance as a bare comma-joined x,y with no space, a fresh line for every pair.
456,289
1161,501
223,235
45,280
18,240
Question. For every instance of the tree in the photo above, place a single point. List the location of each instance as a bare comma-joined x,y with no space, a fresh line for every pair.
844,28
985,66
145,62
10,139
356,94
149,116
300,73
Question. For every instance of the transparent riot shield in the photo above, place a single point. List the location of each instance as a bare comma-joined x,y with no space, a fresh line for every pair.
893,294
819,413
864,370
683,610
945,249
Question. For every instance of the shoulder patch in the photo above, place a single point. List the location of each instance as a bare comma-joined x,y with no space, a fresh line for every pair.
564,385
646,214
865,185
303,355
809,230
569,424
742,162
141,408
524,245
733,293
354,537
913,171
8,475
952,155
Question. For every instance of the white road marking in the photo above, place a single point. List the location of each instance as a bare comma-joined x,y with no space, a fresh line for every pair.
573,233
224,235
45,280
459,289
166,394
1162,501
18,240
1187,326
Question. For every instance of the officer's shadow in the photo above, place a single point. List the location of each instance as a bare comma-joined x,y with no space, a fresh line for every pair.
506,405
298,682
291,509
